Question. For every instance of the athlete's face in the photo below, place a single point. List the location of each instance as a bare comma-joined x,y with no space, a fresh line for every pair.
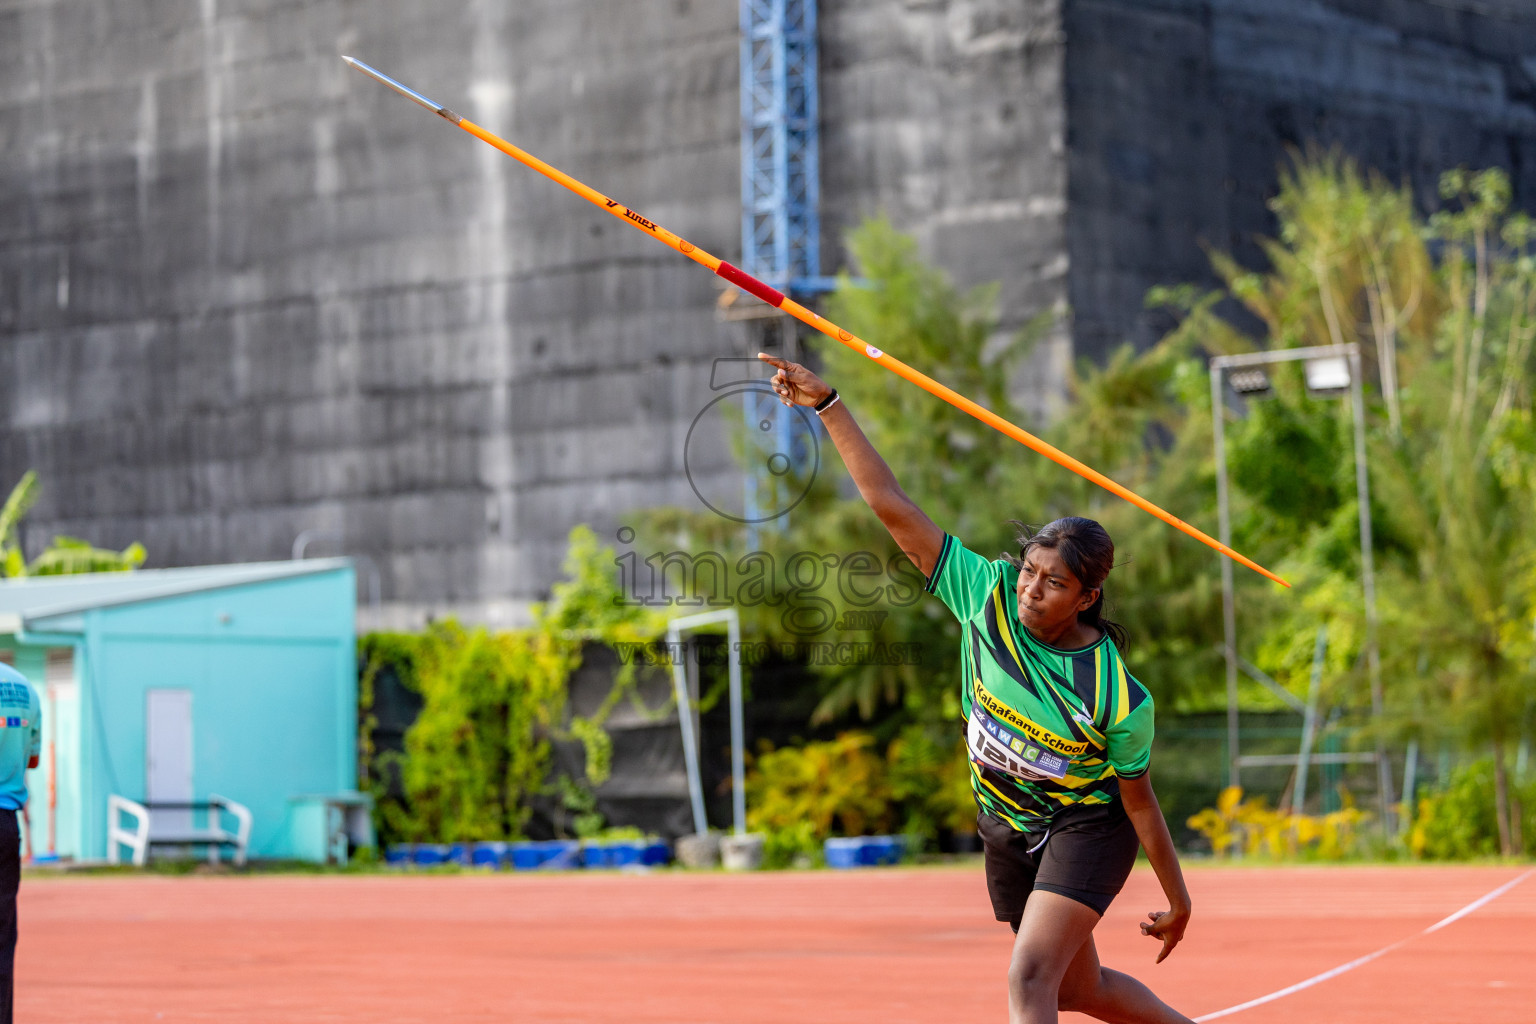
1050,596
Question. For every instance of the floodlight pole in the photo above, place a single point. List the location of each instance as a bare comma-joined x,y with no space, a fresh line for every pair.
1219,365
1368,580
1309,722
1228,601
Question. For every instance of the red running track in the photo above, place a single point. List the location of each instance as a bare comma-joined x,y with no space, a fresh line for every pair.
674,948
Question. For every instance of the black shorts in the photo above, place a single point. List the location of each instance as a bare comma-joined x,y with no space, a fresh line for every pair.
1087,855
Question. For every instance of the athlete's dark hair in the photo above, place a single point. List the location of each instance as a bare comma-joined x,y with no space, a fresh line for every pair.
1086,548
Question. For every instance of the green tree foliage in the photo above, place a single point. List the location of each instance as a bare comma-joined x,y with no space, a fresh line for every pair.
930,779
1144,420
1457,484
63,555
480,745
798,796
479,750
1458,822
1445,312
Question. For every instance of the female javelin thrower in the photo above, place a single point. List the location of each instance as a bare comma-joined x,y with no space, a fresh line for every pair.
1059,733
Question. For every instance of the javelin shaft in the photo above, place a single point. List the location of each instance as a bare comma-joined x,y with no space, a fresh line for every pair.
746,282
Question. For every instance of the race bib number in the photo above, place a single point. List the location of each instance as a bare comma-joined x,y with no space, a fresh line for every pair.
993,745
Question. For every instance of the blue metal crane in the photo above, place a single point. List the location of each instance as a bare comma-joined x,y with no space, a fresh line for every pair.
780,173
780,197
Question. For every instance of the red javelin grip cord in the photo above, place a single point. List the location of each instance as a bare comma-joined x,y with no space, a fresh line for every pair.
747,283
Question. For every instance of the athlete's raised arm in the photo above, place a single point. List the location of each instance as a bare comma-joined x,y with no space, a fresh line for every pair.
910,527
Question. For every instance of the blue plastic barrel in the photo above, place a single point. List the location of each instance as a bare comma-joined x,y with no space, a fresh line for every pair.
626,853
561,854
487,855
863,851
543,855
429,855
655,853
526,856
842,852
881,850
400,855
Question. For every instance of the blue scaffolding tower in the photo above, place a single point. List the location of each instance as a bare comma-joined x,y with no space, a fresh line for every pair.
780,173
780,220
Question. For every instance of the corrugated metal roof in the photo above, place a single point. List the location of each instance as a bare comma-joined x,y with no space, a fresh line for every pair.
39,597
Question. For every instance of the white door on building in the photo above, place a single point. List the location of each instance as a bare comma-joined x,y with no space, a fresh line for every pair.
54,832
168,755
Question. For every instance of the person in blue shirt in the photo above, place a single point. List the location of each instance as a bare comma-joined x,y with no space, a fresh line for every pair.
21,731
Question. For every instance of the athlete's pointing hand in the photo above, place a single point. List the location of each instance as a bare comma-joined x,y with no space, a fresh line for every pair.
794,384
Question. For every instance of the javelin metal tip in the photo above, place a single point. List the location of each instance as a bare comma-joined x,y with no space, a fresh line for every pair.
403,90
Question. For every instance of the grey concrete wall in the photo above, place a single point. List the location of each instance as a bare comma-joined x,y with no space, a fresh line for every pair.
949,118
1181,111
245,292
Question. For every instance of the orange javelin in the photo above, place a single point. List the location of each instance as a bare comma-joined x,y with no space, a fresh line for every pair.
746,282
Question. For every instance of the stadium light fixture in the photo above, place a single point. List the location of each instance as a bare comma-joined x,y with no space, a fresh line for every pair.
1252,383
1328,377
1331,370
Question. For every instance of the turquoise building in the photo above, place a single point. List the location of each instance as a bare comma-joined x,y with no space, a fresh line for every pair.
173,684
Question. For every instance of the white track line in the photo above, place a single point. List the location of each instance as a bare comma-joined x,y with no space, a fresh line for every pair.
1360,961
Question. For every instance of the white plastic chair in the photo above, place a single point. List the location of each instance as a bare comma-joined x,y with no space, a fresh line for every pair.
136,840
242,834
214,835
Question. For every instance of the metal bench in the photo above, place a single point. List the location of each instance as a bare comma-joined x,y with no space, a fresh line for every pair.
176,830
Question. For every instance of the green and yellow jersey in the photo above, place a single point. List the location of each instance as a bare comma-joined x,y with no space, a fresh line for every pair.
1046,728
